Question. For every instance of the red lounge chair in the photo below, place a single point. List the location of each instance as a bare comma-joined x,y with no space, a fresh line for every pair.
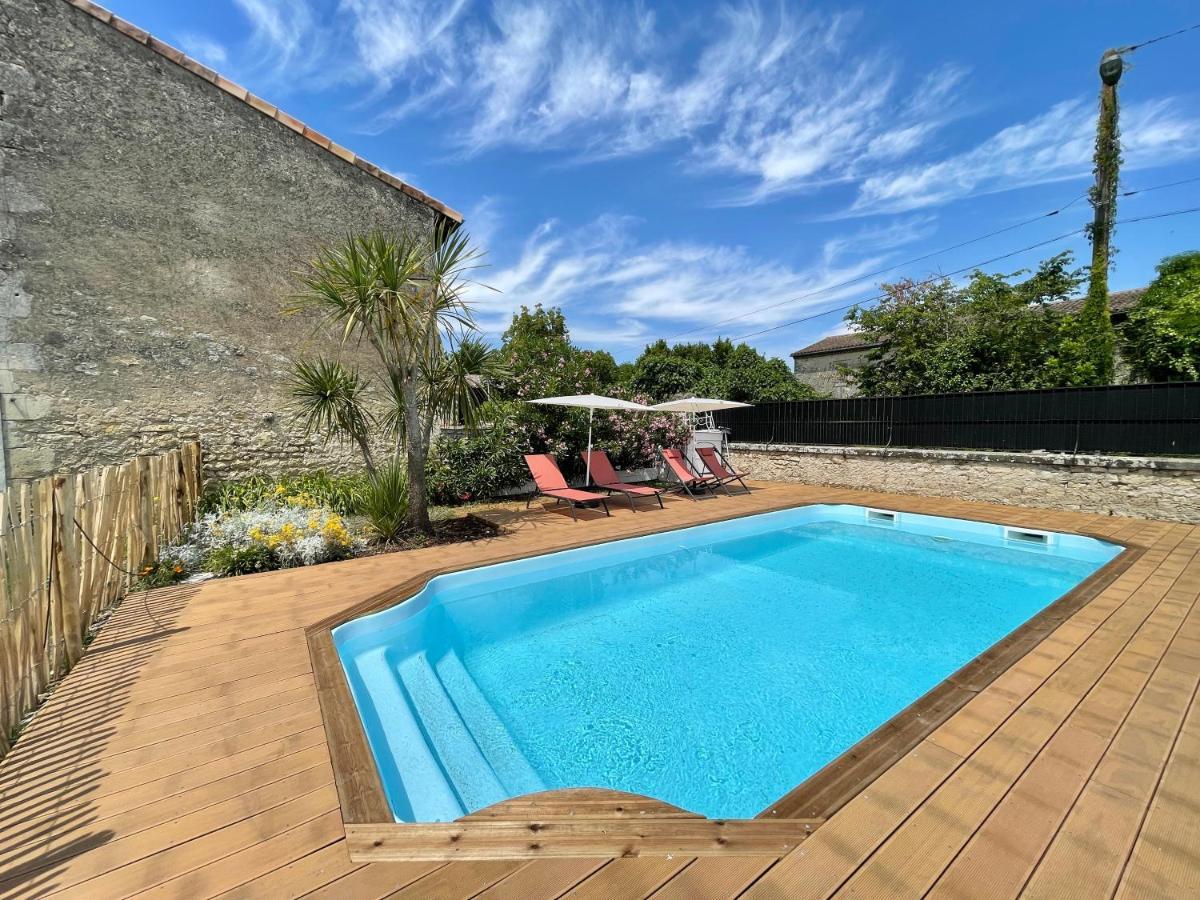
687,477
720,468
606,478
550,483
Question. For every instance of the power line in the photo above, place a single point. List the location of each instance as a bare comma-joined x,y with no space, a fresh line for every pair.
908,262
1159,187
1129,48
879,271
1061,237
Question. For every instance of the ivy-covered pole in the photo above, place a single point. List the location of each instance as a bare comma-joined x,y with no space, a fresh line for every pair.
1099,339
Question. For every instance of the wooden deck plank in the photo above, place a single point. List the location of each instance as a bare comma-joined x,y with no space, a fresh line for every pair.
143,874
457,880
711,877
1166,857
629,879
1088,853
370,881
111,856
83,800
566,836
316,869
155,765
543,879
38,848
258,860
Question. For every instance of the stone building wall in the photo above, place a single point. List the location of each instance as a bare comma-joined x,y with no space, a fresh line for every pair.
151,215
820,371
1149,487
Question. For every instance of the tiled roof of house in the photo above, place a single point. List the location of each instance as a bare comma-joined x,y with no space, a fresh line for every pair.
836,342
196,68
1120,302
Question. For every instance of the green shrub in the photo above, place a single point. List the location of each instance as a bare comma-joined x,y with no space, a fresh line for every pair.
225,561
382,499
335,492
476,467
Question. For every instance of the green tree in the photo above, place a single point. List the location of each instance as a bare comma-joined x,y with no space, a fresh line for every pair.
542,361
991,334
720,370
401,295
1162,336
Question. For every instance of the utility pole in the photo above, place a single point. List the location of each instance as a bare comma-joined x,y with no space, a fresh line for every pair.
1095,318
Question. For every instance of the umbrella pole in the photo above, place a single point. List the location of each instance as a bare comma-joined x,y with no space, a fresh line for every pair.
587,480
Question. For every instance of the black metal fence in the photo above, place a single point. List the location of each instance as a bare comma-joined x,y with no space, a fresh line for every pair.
1135,418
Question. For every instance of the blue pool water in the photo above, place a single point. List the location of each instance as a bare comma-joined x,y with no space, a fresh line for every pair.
714,668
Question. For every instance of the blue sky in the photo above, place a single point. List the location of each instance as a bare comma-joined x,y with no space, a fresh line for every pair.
656,169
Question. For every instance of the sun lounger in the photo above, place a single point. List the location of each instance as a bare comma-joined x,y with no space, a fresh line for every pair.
716,463
691,481
606,478
550,483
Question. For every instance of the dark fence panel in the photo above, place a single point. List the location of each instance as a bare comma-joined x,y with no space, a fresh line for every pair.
1134,418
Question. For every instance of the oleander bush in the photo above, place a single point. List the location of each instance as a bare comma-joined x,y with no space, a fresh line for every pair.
476,467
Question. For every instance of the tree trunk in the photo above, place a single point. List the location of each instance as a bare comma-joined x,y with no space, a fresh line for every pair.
368,458
417,447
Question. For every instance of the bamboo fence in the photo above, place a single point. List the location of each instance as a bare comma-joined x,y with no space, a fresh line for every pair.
71,546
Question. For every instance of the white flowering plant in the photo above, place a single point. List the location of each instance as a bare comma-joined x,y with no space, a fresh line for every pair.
283,532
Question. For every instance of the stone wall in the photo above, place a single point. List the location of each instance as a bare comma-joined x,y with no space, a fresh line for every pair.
822,373
150,220
1149,487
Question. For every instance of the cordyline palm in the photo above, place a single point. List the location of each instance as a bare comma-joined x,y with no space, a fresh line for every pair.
402,294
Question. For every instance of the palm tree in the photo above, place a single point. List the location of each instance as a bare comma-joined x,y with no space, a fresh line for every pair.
402,295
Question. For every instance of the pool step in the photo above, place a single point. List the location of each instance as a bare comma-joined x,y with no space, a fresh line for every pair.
492,737
389,718
467,771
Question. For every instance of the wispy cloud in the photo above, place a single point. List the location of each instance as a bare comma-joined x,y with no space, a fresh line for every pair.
1052,146
617,291
209,51
784,100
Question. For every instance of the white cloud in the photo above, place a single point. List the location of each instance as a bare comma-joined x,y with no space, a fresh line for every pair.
784,100
210,52
618,293
1053,146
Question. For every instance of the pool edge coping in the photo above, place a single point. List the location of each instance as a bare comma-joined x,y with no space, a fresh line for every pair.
372,834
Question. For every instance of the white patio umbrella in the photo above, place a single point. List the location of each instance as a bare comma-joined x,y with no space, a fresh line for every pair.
593,402
697,405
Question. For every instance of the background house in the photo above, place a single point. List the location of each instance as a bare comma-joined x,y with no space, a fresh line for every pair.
153,214
819,364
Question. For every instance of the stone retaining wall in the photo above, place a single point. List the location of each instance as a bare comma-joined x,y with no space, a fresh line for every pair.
1149,487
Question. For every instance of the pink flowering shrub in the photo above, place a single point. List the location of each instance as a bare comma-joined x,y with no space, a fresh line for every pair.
542,362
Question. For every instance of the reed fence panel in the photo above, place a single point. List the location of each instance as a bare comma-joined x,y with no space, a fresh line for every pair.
70,547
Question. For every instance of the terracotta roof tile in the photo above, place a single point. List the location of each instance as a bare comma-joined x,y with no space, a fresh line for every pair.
237,91
231,87
1120,302
290,121
834,343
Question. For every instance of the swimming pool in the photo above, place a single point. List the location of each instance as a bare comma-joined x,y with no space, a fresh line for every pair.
714,668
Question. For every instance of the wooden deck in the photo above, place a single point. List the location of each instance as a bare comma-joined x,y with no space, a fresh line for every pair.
186,754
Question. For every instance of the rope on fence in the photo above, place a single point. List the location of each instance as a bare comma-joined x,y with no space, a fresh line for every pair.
102,554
